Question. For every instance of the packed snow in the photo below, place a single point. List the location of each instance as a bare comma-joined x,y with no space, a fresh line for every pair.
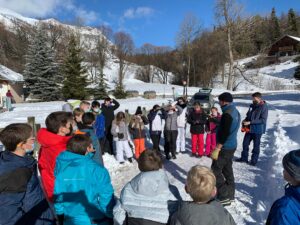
256,187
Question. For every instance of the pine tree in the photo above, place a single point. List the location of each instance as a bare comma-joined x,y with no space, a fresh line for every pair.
75,78
119,91
100,91
41,72
297,73
292,23
275,28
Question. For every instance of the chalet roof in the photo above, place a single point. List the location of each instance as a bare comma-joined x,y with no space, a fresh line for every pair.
293,37
10,75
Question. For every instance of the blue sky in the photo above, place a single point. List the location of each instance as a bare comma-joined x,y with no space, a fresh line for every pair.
148,21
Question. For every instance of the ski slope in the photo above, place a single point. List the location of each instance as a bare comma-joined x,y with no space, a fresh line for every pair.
256,187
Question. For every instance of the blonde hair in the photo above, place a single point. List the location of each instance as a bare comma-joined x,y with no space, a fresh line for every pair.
201,183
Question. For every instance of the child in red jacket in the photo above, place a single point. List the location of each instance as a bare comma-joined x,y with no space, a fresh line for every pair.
213,122
53,141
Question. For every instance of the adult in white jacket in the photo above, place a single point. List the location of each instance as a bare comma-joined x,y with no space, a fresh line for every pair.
181,123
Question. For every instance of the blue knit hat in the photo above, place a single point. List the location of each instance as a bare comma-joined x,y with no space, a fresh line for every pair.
291,163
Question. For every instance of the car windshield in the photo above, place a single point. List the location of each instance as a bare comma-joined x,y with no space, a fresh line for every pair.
201,97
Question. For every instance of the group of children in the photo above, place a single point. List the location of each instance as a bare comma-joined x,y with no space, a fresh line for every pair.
129,136
175,119
82,192
80,189
75,181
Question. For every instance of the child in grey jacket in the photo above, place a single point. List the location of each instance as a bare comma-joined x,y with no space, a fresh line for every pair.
171,114
203,210
148,198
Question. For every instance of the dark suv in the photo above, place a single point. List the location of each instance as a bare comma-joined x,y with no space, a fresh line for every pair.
205,98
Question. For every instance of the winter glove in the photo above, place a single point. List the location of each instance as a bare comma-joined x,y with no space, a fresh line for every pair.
215,154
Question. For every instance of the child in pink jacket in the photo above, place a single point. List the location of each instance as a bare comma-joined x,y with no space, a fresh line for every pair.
213,123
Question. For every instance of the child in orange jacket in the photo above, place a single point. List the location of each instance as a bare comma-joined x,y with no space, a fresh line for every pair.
138,131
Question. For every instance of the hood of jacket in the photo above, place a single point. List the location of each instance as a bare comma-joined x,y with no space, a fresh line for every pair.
48,139
66,158
150,183
10,161
293,192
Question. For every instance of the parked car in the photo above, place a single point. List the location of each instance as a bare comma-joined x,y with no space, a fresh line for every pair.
204,97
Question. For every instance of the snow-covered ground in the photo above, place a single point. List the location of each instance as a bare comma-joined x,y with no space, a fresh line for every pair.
257,187
273,77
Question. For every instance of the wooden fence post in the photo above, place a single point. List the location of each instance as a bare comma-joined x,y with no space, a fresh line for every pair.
35,129
127,116
144,111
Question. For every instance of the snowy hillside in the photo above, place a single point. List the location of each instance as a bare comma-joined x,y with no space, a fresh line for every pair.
88,36
270,78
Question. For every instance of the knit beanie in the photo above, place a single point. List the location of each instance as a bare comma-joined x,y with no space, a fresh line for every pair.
291,163
226,97
139,111
155,107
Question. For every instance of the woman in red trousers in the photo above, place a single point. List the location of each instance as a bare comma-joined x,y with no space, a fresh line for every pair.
197,118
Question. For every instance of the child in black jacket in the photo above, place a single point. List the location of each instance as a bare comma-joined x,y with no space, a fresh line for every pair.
197,118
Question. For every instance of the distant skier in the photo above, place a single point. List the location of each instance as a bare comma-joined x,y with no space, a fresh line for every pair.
9,99
256,121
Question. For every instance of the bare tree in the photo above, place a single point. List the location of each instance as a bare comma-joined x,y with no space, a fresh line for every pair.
227,12
147,50
188,32
123,48
106,31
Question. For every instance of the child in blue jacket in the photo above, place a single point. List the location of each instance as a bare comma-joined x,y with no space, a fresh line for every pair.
99,125
22,200
88,120
83,193
286,210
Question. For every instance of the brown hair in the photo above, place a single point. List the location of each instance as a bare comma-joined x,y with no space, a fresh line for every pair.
257,95
88,118
57,120
14,134
200,183
78,144
119,117
78,112
149,160
84,103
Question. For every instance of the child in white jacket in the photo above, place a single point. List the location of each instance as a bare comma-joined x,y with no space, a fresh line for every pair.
181,123
121,136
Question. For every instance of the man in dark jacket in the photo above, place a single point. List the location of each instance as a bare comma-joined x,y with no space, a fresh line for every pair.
22,200
256,119
226,145
108,108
